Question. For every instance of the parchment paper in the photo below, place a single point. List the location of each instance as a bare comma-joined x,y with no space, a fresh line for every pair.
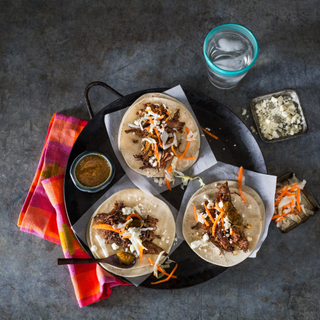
80,227
264,184
205,160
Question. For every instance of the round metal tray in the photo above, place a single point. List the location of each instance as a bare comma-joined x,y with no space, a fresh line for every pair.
236,145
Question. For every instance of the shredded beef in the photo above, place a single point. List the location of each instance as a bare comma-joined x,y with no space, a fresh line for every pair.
151,247
150,222
221,237
115,216
174,124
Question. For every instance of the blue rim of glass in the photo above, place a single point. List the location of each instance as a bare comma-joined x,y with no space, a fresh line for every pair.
232,27
95,188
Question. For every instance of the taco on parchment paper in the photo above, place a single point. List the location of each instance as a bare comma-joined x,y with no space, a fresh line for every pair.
220,227
156,133
132,221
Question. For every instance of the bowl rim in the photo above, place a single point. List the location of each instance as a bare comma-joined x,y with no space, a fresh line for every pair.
99,187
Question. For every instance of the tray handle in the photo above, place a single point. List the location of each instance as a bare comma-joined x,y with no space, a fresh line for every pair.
97,83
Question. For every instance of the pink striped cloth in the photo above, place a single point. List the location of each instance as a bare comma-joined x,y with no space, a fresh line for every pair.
44,214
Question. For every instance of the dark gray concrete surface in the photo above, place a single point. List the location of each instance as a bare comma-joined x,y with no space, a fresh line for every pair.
50,51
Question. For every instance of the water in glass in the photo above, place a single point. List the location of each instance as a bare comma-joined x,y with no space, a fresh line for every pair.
231,51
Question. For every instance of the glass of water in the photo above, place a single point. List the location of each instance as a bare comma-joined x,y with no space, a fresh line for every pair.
230,50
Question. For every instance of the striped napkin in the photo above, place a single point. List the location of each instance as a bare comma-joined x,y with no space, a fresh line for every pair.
44,214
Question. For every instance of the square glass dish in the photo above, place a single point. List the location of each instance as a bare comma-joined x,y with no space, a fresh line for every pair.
307,200
279,116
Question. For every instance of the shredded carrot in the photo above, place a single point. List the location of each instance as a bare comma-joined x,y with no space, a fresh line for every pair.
240,184
280,219
156,152
170,275
282,194
172,148
210,134
206,222
158,135
167,181
298,200
294,187
106,227
126,237
141,253
287,205
169,111
187,147
160,269
195,213
133,215
216,222
190,158
209,213
290,194
280,215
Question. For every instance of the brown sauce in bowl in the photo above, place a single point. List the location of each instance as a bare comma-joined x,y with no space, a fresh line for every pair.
92,170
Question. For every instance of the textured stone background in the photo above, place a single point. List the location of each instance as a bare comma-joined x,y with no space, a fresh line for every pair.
50,51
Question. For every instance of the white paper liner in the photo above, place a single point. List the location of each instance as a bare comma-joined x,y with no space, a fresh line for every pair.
205,160
264,184
80,227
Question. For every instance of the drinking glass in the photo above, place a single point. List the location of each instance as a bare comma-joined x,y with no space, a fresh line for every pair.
230,50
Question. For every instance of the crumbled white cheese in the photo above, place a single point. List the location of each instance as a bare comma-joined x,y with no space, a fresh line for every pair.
278,117
205,237
227,223
94,248
126,211
115,246
200,243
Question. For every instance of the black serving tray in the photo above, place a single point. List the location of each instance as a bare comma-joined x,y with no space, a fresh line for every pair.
236,145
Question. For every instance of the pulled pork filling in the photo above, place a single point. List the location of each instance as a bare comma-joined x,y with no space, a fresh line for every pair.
159,135
123,220
223,223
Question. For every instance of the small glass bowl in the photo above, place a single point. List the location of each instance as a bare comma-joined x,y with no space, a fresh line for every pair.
95,188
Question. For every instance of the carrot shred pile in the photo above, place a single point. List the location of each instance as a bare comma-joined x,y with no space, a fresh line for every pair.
240,184
169,276
160,269
209,133
292,191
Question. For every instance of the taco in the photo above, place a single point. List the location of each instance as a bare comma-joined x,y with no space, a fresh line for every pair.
220,227
158,135
134,222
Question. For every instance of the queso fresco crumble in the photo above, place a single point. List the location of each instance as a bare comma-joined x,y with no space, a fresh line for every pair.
278,117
